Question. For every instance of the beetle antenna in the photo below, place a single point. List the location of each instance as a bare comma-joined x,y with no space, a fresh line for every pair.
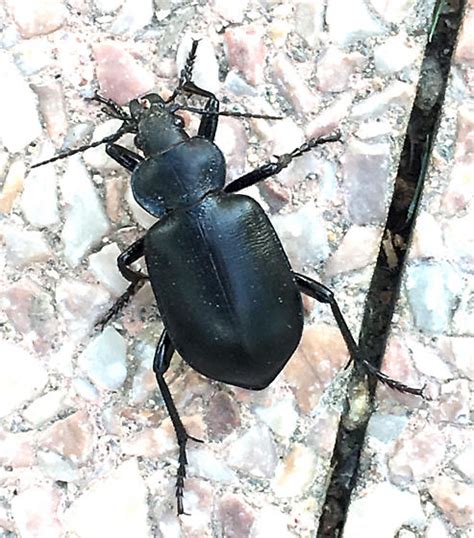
108,139
225,113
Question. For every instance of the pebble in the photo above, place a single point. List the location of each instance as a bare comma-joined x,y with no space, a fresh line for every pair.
115,505
432,290
222,416
394,55
12,186
254,452
39,201
396,93
329,119
37,18
457,351
36,511
372,129
292,85
46,407
246,51
356,24
134,15
81,305
103,265
237,85
235,518
460,190
381,510
295,474
349,255
417,454
25,247
57,467
204,464
17,449
393,11
232,141
309,21
453,402
104,360
52,108
427,238
72,437
464,50
436,529
33,56
30,311
85,220
108,6
464,463
459,240
385,428
270,521
430,363
281,416
120,76
21,379
319,356
232,12
366,199
152,443
335,67
304,236
455,499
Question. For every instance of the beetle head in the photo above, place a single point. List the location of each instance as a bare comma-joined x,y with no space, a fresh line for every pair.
158,127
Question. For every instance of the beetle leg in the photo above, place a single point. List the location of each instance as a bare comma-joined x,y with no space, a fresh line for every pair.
125,157
130,255
163,355
282,161
323,294
208,125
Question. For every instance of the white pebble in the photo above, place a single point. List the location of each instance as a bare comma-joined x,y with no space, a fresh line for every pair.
104,266
19,123
113,506
104,360
22,377
85,221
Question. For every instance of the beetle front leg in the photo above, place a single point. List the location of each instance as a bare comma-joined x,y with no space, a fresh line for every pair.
282,161
163,355
130,255
323,294
125,157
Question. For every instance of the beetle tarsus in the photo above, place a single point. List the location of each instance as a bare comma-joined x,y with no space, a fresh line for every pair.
163,355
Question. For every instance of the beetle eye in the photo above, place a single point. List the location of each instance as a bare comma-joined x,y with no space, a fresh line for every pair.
179,122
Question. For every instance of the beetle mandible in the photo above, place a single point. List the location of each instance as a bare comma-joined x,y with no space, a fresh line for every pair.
229,300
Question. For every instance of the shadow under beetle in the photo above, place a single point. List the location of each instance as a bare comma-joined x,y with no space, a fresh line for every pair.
229,300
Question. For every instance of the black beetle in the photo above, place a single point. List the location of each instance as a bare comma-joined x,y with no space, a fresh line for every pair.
229,301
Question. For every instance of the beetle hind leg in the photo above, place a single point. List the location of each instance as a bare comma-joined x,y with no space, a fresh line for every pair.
163,355
323,294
